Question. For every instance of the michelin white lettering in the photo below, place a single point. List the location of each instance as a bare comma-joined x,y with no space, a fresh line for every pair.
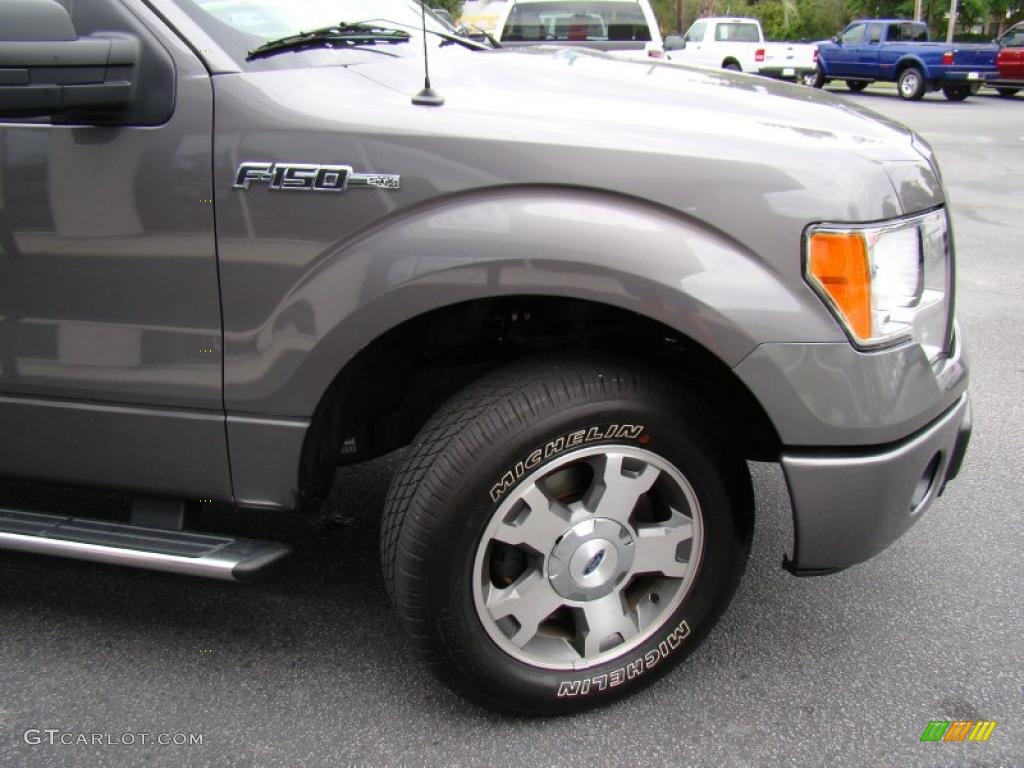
629,671
559,445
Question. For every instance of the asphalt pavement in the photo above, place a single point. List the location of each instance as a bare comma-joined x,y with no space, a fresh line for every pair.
309,668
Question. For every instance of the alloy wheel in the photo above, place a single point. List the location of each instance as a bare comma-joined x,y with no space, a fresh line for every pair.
588,557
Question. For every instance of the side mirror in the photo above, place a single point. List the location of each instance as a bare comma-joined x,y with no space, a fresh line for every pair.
48,70
675,43
837,40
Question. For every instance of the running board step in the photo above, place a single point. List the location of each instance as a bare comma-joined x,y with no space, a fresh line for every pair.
196,554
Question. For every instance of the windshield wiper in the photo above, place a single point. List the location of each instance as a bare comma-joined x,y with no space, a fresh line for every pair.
487,35
448,37
455,39
343,35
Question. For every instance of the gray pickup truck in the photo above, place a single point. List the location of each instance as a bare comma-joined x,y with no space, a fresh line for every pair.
242,245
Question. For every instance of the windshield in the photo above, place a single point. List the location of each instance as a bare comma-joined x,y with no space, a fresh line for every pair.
576,20
241,25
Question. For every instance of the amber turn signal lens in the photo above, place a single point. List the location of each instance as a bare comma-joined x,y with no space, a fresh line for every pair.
839,263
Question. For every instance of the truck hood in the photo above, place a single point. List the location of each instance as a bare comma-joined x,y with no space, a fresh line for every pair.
599,96
577,98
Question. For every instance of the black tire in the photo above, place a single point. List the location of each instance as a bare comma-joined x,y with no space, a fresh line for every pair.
440,504
732,66
956,92
856,85
911,85
1007,93
816,79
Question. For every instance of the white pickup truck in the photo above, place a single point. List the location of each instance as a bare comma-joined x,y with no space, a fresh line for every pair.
738,44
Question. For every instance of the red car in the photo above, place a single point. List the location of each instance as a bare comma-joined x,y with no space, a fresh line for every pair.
1010,61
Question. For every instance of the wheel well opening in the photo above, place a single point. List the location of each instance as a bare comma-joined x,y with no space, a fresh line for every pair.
729,61
385,394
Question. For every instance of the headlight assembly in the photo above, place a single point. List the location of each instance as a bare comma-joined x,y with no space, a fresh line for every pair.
886,282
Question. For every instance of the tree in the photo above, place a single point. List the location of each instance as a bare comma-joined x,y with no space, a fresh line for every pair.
1005,13
794,19
666,12
971,12
454,7
820,19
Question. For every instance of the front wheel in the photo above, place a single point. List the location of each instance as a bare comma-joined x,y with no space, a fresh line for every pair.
563,533
1007,92
815,79
956,92
910,84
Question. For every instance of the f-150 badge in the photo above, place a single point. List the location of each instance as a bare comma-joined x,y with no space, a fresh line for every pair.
312,178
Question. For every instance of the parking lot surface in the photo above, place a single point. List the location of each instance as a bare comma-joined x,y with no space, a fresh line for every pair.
309,667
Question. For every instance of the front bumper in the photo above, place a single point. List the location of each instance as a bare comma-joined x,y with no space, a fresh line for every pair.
848,507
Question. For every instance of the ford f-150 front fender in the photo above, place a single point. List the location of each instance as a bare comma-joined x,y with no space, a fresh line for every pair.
514,241
556,242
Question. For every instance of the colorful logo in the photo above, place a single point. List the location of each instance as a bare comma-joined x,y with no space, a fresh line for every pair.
958,730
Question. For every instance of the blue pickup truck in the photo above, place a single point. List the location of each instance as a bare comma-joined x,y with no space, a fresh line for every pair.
899,51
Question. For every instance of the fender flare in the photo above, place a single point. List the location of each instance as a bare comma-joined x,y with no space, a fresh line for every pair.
524,240
822,60
911,60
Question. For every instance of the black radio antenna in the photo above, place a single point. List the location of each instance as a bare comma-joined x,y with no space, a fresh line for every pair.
428,97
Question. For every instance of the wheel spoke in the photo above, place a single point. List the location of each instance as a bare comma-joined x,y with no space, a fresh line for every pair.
618,489
605,618
538,523
529,601
657,546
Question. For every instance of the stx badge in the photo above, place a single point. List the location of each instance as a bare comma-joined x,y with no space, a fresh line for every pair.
306,177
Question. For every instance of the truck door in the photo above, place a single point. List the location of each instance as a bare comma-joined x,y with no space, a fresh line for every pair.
843,58
868,53
1011,58
694,51
110,332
